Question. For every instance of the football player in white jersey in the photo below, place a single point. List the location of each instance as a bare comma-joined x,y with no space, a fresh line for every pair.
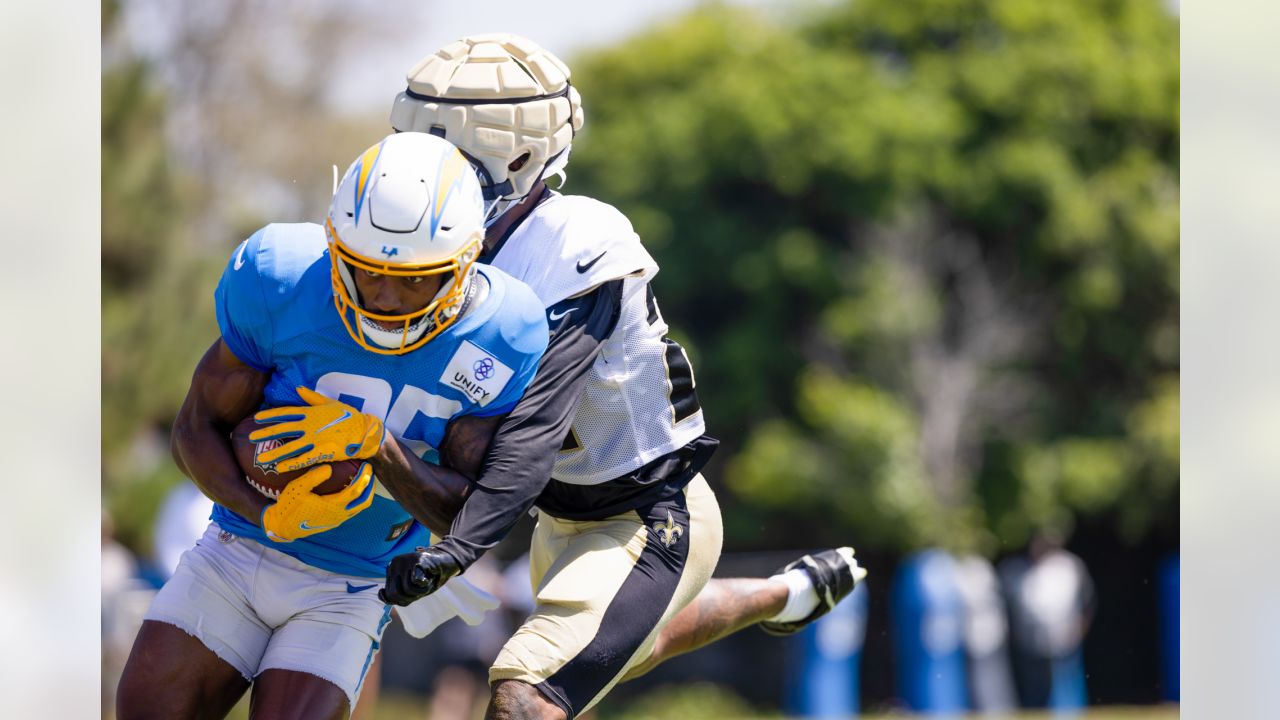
609,439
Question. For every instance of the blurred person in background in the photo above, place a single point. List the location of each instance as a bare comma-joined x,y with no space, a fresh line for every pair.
282,594
609,441
1051,602
986,636
182,519
125,597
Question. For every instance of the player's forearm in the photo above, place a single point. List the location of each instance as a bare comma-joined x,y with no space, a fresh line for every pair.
202,452
432,494
503,495
517,463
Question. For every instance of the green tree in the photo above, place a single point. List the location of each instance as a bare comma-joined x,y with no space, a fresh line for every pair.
924,253
230,116
151,311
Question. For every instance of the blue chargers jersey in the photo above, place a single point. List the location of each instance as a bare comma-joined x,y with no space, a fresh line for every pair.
276,313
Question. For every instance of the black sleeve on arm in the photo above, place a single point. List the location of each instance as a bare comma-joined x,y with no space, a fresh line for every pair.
518,464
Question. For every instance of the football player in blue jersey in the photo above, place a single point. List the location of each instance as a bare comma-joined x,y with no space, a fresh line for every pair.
607,444
381,331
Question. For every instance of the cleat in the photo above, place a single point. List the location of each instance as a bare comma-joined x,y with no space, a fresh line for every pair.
835,573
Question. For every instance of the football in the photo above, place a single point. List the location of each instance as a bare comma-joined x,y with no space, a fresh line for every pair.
264,477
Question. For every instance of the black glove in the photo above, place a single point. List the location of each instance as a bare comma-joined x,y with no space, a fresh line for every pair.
417,574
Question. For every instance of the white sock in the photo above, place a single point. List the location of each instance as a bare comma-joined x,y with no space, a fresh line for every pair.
802,596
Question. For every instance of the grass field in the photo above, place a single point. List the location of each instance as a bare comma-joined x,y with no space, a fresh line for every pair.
702,702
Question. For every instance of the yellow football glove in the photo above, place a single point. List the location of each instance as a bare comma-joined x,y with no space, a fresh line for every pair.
323,430
299,512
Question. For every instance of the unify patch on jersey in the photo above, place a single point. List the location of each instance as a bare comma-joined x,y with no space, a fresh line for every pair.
476,373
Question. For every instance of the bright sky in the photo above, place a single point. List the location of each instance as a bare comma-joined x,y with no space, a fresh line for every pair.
562,26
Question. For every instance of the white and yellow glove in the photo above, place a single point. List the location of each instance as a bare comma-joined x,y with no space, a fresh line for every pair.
299,513
323,430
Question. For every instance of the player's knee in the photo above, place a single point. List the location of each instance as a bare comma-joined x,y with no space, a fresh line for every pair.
517,700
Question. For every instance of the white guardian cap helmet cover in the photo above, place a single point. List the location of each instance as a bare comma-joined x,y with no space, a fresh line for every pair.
499,98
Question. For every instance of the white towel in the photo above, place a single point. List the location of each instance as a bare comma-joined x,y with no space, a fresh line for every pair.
458,598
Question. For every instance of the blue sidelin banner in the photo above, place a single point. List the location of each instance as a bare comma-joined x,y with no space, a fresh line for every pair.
824,660
928,634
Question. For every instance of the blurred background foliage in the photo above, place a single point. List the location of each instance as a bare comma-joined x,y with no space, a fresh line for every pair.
923,253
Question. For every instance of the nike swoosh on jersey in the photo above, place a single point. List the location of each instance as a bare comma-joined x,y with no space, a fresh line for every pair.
552,316
240,255
359,588
583,267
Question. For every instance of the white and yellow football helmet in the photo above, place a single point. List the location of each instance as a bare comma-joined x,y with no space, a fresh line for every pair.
409,206
500,98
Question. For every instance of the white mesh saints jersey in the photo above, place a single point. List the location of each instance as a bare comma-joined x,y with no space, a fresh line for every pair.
638,403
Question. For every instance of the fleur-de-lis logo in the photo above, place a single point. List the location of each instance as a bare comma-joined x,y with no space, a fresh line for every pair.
670,532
